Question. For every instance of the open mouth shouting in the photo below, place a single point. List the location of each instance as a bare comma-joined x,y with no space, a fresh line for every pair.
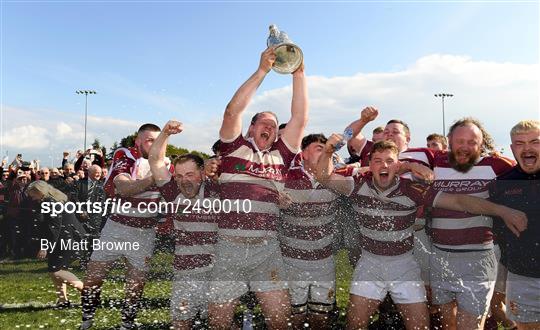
529,159
384,178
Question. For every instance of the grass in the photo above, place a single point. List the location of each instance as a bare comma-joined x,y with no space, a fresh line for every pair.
27,296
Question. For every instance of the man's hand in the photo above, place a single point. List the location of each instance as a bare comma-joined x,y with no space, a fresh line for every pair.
284,200
268,57
332,141
515,220
369,114
173,127
418,171
42,254
300,70
211,168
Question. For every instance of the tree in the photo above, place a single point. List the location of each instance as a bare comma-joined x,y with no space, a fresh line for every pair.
96,144
113,148
128,141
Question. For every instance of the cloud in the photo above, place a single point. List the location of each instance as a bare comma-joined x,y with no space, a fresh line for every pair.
63,129
26,137
499,94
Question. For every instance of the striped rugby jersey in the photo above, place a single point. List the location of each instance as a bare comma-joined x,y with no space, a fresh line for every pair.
460,230
128,162
386,218
307,225
195,232
249,174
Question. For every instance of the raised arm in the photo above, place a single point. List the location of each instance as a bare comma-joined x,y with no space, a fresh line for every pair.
324,172
156,156
515,220
126,186
294,131
231,126
367,115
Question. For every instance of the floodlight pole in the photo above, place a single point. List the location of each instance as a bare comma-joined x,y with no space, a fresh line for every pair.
442,96
85,92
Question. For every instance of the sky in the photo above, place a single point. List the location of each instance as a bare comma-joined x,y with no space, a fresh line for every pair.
151,61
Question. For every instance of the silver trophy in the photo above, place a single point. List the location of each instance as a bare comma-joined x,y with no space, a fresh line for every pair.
288,56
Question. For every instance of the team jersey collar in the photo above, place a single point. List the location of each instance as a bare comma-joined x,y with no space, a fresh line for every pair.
385,192
298,164
260,152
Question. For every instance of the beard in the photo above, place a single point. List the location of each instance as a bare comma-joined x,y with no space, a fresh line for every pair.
465,167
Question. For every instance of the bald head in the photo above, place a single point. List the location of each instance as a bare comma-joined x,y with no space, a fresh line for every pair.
94,172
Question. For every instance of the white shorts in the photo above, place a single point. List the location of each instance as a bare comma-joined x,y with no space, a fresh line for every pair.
466,277
190,296
239,268
523,298
422,251
118,233
312,284
502,272
375,276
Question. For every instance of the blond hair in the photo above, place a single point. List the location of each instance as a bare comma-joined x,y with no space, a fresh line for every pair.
525,126
47,190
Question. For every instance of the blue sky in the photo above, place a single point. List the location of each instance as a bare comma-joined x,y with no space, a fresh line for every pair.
152,61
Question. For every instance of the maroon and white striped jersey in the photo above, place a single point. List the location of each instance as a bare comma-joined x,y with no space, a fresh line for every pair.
460,230
195,231
307,225
128,162
248,173
386,218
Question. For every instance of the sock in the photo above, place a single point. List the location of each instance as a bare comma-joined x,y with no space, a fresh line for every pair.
89,302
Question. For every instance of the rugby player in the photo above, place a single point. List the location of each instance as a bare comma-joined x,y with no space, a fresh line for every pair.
195,227
386,208
520,189
248,255
131,180
306,235
463,262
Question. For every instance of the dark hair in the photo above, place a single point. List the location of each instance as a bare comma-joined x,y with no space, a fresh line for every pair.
256,116
215,147
149,127
282,126
439,138
488,145
383,146
311,138
190,157
405,126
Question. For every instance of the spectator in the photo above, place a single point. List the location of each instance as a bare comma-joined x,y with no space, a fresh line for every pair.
69,170
90,157
45,174
90,190
14,214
